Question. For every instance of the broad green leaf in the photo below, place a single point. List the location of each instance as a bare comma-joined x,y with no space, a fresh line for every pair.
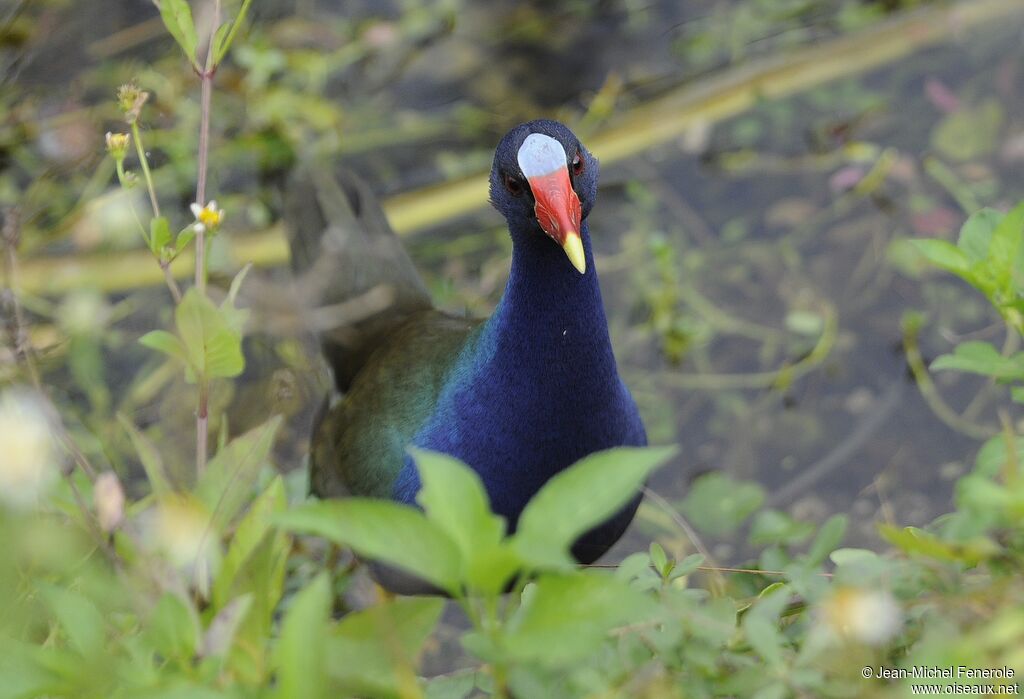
976,234
718,505
212,342
177,17
163,341
454,498
396,534
250,532
829,537
173,629
375,652
149,455
982,358
159,234
581,497
300,657
227,484
567,616
943,254
78,616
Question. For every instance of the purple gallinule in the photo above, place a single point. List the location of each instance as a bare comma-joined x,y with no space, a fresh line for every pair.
518,396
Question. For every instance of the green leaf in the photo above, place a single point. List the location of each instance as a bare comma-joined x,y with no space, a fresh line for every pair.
567,616
581,497
227,484
382,530
374,652
249,534
159,234
299,657
943,254
718,505
994,455
1004,252
760,624
78,616
982,358
177,17
173,629
149,455
917,541
829,537
454,498
185,236
658,558
976,234
775,527
223,41
163,341
220,634
688,565
213,344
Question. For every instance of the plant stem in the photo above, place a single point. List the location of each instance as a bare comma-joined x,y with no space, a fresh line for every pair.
172,284
204,147
205,100
144,163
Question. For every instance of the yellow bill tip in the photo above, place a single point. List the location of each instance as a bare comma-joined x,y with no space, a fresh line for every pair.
573,247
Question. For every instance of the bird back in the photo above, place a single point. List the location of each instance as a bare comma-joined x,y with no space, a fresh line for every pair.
349,265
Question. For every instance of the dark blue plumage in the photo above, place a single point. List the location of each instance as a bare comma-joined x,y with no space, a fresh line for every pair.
518,397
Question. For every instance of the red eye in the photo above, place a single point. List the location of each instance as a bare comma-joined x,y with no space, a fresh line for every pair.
514,185
578,164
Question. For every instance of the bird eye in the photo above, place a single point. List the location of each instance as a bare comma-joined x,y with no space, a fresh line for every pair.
514,185
578,163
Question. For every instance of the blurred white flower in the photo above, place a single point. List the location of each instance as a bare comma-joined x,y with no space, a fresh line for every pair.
84,313
868,616
108,498
29,464
179,529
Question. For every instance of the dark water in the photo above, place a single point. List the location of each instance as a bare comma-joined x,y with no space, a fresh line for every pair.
756,216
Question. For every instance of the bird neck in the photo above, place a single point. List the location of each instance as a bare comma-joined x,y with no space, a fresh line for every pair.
551,318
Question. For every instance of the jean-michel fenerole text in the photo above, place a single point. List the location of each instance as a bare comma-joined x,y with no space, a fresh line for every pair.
958,672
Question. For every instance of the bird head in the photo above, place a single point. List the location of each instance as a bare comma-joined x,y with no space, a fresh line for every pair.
544,182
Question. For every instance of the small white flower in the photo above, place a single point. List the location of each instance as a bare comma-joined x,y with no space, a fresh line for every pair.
868,616
208,218
30,462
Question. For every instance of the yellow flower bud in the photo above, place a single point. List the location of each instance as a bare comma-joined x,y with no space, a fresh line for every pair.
117,144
